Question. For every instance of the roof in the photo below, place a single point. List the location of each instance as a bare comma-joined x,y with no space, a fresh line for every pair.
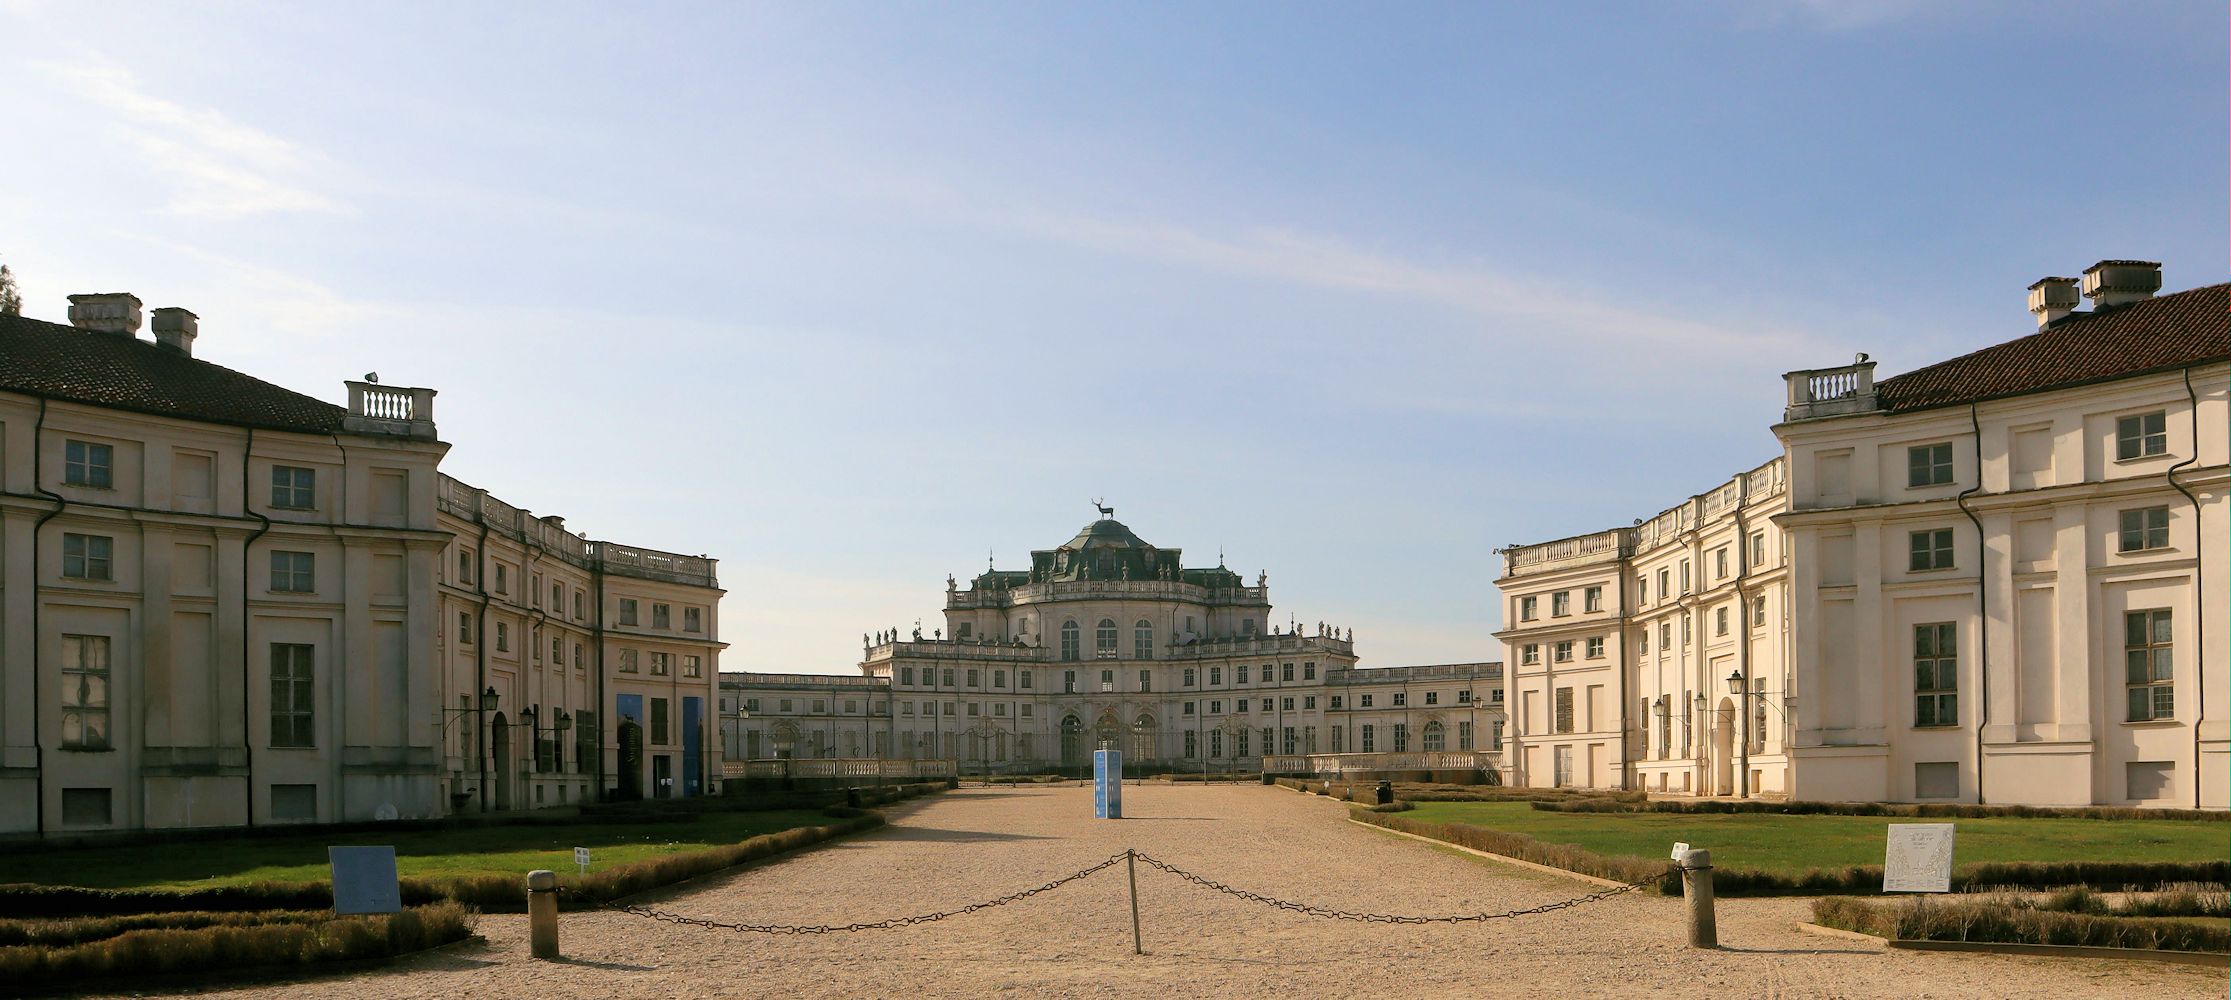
38,358
1104,533
2157,334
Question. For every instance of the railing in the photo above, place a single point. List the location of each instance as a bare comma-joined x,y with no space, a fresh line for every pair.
1827,392
739,679
1611,543
651,564
465,501
381,409
962,649
838,767
1421,672
1354,763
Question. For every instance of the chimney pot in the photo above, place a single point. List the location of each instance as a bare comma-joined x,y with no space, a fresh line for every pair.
2051,299
175,329
106,312
2117,282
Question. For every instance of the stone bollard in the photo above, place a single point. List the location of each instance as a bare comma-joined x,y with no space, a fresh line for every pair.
542,914
1696,887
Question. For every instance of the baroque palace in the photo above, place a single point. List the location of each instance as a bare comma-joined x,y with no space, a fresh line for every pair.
226,603
1990,579
1108,640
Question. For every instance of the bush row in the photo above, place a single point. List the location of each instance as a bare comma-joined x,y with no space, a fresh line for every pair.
1366,792
2011,921
1518,845
2173,901
231,947
1637,803
78,930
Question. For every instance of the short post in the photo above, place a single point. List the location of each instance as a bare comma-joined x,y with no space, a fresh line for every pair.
1696,886
542,914
1131,865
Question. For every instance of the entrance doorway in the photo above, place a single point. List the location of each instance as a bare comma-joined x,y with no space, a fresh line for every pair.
631,759
662,776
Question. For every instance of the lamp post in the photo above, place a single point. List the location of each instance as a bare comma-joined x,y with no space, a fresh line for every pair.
487,704
1740,687
1696,736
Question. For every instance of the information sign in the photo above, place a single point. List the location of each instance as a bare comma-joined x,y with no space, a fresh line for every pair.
1107,784
364,880
1918,858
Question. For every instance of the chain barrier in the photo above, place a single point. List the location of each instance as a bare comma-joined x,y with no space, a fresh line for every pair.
924,918
1148,860
1389,918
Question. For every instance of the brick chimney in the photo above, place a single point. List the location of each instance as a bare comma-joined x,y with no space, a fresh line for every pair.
2118,282
175,329
2051,299
106,312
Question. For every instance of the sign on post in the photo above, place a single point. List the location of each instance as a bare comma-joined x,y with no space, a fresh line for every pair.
1680,850
364,880
1918,858
581,859
1107,784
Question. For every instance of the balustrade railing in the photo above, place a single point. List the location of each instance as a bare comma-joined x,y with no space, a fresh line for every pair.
838,767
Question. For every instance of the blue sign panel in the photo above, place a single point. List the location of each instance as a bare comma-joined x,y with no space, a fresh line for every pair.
364,880
693,717
1107,784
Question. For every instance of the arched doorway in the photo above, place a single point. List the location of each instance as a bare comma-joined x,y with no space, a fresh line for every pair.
1073,742
786,738
1142,740
1723,749
500,731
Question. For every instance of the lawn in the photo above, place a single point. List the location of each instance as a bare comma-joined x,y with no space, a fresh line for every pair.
1793,844
464,850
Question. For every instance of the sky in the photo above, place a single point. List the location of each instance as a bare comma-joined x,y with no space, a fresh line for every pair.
854,296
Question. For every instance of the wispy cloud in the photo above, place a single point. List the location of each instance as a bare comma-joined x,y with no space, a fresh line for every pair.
222,168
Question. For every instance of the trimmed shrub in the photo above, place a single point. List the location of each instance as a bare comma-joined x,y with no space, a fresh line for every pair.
1398,805
229,947
2013,920
1896,809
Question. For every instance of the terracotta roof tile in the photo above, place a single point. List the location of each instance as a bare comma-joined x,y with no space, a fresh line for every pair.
2157,334
61,362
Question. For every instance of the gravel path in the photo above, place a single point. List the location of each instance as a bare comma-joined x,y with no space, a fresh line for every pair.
960,847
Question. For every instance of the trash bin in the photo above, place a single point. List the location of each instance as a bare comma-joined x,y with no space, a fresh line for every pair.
852,796
1386,793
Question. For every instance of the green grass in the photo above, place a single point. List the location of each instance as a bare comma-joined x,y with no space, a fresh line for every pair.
462,851
1793,844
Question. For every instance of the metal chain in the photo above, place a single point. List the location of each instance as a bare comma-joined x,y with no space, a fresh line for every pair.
676,918
1389,918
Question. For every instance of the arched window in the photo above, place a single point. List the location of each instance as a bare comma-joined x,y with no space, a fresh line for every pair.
1142,640
1433,737
1069,640
1072,741
1142,738
1104,640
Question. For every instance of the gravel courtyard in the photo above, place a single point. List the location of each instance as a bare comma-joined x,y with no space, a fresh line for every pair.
960,847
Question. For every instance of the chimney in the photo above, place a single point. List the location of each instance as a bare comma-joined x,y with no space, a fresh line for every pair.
2051,299
106,312
2119,282
175,329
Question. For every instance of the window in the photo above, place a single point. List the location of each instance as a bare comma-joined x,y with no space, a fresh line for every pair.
627,611
1026,680
85,692
2137,436
1665,636
1564,720
88,464
1931,550
1687,630
1339,737
1561,604
1286,739
1563,651
1068,682
1526,609
1642,591
1592,599
1193,745
1645,642
580,605
1146,680
87,807
1367,742
1336,702
1929,465
1104,640
1433,697
662,663
1595,647
1684,576
1665,584
999,679
1433,739
1665,727
1758,611
294,487
465,566
1215,676
1266,673
694,666
906,676
1241,707
2150,664
292,572
1719,563
294,803
1530,654
662,616
1758,548
557,651
1069,637
1719,620
1936,674
1142,641
947,676
1107,680
1464,734
1309,702
1285,672
1401,737
628,666
464,628
1464,697
1188,677
86,557
503,638
2145,528
1308,671
658,720
503,584
693,619
973,676
1365,701
1216,706
292,699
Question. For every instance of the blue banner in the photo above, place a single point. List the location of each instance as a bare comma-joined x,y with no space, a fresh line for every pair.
1107,784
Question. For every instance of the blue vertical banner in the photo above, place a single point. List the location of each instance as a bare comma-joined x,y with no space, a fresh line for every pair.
1107,784
693,744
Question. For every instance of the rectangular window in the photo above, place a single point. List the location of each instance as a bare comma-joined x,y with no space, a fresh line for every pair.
1530,654
1936,674
1216,706
693,666
293,572
85,692
973,677
1068,682
294,487
1286,740
1365,701
1241,706
464,628
2149,664
87,557
627,611
2142,435
660,663
2145,528
1026,680
1464,734
294,803
1526,609
1561,604
1684,576
1665,636
1309,671
906,676
658,721
1367,738
1930,550
1564,721
693,619
1285,671
662,616
1193,745
1339,737
1595,647
87,464
1189,677
1719,563
1309,702
1758,548
87,807
1464,697
1146,680
1758,611
1719,620
465,566
628,665
503,638
999,679
1433,697
1107,680
1929,465
1665,584
1215,675
1286,704
503,585
1336,702
1401,737
1563,651
1266,673
1592,599
292,699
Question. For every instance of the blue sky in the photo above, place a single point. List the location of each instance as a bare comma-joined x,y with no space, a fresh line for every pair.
849,295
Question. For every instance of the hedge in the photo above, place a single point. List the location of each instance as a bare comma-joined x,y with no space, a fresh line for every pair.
1571,858
1365,792
230,947
1949,810
2013,920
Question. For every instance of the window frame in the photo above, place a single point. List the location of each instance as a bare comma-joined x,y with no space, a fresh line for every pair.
2142,529
2155,645
1929,465
299,491
95,557
2134,441
293,670
1931,550
88,704
81,470
1936,704
293,572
